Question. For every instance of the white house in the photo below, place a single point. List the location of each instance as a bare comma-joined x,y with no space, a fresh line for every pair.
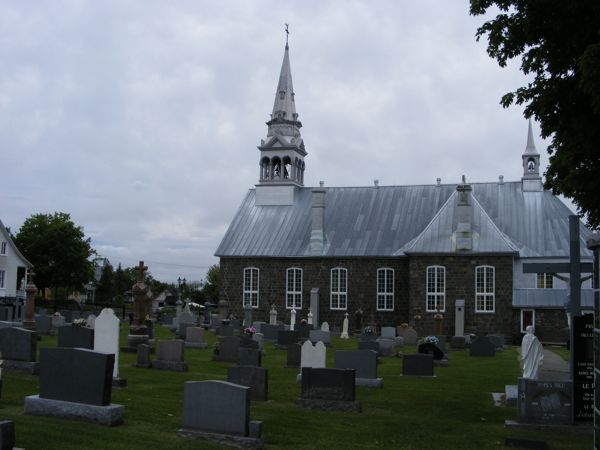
13,267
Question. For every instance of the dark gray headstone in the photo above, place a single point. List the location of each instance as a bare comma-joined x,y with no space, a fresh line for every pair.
364,362
498,341
43,323
227,350
18,344
304,330
367,336
249,357
328,384
7,434
216,406
294,353
458,342
75,337
369,345
270,331
76,375
67,314
182,329
246,341
319,335
172,350
545,402
419,364
482,346
225,330
286,337
143,355
256,378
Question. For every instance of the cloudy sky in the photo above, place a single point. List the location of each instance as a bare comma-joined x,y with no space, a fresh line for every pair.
141,118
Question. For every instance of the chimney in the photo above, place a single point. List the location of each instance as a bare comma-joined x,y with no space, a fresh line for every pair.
318,219
463,234
439,181
501,179
376,183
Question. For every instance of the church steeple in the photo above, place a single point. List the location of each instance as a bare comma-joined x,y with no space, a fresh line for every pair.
531,181
282,152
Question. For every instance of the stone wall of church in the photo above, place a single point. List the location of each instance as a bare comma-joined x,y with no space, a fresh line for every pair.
460,284
550,325
362,288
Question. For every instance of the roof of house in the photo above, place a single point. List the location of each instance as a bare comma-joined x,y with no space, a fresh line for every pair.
4,232
391,221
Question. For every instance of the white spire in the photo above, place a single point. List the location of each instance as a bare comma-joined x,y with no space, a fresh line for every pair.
530,148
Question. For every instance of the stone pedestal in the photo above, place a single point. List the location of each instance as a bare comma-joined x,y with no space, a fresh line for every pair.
31,290
108,415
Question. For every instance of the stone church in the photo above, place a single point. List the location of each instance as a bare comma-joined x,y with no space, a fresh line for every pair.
387,255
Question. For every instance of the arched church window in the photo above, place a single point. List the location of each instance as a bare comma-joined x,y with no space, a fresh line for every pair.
287,168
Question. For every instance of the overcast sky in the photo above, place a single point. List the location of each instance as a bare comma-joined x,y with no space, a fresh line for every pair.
141,118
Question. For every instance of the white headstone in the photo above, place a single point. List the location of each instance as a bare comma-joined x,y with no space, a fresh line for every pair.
273,315
292,319
57,320
345,327
324,326
310,317
91,319
313,356
106,336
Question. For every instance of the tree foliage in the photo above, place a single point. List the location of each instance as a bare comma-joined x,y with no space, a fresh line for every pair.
559,45
58,250
212,285
106,289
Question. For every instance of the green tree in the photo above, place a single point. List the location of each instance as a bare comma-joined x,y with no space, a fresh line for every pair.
212,285
121,283
559,45
58,250
106,290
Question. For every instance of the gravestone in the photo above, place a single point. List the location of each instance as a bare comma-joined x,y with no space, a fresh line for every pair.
227,349
7,434
458,342
106,340
194,338
170,356
215,321
286,337
260,339
294,355
150,328
57,320
482,346
367,336
419,365
544,402
75,384
75,337
256,378
328,390
43,323
219,412
304,330
368,345
313,356
143,356
388,332
225,330
386,347
91,321
182,329
364,363
247,341
249,357
320,335
270,331
325,326
258,324
459,317
410,336
67,314
314,304
18,348
429,348
498,341
583,376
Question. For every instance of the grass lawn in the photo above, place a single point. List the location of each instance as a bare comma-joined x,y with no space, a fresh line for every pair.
452,411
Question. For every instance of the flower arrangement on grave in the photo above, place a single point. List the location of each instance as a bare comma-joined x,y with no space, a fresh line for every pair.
303,322
249,331
431,340
404,325
79,323
368,331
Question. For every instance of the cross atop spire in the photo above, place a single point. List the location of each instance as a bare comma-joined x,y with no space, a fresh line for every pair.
287,35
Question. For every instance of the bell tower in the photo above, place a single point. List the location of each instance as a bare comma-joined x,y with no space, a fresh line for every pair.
531,180
281,163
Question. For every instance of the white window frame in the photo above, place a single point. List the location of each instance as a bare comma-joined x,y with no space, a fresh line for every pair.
293,280
485,296
2,279
385,289
532,319
338,296
546,278
250,292
437,295
3,246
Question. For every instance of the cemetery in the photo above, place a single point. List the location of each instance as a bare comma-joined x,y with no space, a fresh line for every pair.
156,412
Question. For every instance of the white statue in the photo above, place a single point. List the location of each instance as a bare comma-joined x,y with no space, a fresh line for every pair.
292,319
345,328
532,354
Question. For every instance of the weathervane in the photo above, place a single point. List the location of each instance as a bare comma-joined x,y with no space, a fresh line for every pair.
287,33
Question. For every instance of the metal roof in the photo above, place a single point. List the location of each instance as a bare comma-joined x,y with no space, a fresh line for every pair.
549,298
380,221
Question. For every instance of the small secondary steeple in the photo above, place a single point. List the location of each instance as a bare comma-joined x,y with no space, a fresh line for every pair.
282,152
531,181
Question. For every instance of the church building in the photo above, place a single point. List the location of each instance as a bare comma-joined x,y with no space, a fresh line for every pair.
387,255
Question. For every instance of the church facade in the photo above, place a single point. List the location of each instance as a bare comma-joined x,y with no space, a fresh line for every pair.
387,255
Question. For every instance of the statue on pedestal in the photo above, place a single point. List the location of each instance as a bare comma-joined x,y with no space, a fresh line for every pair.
532,354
